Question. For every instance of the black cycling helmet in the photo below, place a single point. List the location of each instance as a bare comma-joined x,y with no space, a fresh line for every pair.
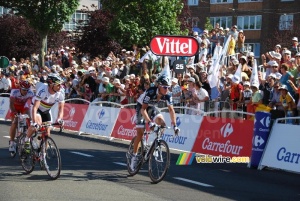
163,80
54,78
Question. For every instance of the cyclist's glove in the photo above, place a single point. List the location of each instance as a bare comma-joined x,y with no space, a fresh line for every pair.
151,124
35,125
176,130
60,121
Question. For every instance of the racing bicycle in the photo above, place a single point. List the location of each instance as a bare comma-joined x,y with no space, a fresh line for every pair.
44,151
22,125
157,154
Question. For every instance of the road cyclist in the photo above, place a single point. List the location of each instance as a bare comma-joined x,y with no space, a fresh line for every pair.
147,113
18,105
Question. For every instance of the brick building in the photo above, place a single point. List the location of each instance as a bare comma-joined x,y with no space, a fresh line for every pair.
257,18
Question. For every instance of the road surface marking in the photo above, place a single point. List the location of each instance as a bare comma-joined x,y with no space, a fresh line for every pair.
118,163
124,164
7,137
82,154
193,182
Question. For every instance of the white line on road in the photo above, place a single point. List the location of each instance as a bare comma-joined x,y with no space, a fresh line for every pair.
6,137
193,182
118,163
124,164
82,154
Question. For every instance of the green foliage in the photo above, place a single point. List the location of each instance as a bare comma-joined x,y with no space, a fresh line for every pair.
137,21
45,16
208,25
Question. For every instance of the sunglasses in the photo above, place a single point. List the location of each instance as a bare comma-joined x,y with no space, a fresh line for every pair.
165,87
24,89
276,87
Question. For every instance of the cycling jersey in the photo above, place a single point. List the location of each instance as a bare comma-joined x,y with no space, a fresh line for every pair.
150,97
19,99
47,99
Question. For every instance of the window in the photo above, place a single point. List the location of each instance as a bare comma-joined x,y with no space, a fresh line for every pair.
252,22
223,21
253,47
286,22
4,11
193,2
195,21
220,1
78,19
242,1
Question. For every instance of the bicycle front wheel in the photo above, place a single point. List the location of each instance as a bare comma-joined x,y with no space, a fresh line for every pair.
27,158
159,161
51,158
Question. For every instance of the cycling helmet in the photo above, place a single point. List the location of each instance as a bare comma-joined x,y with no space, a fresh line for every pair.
54,78
163,80
24,84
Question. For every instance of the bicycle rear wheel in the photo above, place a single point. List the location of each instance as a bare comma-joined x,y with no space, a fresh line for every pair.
159,161
27,159
51,158
129,155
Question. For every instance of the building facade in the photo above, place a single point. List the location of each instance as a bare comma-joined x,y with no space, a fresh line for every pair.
257,18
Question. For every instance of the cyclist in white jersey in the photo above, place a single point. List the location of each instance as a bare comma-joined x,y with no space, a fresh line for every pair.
46,96
17,104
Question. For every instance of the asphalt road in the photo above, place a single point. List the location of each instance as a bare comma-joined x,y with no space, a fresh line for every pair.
93,169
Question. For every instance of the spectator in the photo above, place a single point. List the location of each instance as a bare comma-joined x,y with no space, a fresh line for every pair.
175,89
241,42
287,102
202,95
286,75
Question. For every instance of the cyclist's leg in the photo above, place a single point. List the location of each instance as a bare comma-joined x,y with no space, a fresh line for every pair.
12,133
156,116
140,127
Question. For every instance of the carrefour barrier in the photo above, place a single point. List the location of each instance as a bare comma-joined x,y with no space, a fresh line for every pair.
4,107
282,150
199,133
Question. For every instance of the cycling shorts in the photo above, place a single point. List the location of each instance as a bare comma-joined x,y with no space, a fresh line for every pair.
152,112
46,115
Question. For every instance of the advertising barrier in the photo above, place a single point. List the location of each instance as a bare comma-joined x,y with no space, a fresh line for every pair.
4,107
226,137
189,126
73,115
282,150
99,120
125,125
260,136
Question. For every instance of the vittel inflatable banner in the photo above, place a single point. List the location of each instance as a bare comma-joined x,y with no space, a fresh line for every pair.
226,137
4,107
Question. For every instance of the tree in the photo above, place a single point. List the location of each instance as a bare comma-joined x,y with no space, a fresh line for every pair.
45,16
95,38
208,26
282,37
18,39
137,21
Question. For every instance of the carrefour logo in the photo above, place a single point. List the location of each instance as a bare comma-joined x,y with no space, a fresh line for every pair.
258,141
2,102
72,112
226,130
178,121
266,121
101,113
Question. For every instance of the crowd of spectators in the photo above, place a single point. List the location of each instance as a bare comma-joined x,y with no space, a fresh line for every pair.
122,77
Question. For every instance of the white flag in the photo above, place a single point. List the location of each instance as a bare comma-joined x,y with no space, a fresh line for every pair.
254,81
237,78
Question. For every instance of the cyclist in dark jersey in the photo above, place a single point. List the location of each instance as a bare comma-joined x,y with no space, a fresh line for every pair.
146,112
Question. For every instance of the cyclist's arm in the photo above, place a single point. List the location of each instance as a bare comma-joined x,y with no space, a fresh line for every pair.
172,115
60,110
144,113
12,105
34,110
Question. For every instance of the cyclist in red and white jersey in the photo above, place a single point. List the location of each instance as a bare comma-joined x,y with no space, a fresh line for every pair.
46,96
18,99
